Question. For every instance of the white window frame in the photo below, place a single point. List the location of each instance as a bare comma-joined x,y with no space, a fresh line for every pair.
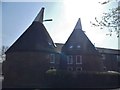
79,68
52,58
78,59
70,59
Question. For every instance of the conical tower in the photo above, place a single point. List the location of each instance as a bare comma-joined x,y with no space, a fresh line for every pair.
78,42
79,54
35,38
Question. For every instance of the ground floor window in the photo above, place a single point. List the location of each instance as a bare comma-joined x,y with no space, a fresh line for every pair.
52,58
70,68
78,68
52,68
78,59
70,59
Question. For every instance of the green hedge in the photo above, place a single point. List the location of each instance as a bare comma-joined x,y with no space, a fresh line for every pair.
63,79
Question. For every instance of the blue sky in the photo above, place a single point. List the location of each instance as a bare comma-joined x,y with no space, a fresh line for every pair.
17,17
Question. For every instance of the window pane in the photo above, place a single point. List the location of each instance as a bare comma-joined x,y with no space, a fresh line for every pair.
78,46
52,58
71,47
78,59
69,59
103,56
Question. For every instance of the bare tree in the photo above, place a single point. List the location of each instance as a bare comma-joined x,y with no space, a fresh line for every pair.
109,20
2,52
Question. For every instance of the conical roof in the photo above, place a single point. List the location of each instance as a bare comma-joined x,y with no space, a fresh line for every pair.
78,42
39,17
35,38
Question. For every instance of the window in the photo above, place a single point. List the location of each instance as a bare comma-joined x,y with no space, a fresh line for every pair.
78,68
118,57
78,46
71,47
104,68
49,43
52,68
70,68
78,59
52,58
103,56
70,59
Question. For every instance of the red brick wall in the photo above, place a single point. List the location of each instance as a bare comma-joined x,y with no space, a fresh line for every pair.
25,69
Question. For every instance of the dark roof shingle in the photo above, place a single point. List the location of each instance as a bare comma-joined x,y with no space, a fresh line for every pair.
78,42
35,38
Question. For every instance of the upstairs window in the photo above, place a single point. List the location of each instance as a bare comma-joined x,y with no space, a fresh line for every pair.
78,46
78,59
71,46
70,59
103,56
52,58
49,43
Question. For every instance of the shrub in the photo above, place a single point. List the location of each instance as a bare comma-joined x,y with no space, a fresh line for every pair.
83,79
